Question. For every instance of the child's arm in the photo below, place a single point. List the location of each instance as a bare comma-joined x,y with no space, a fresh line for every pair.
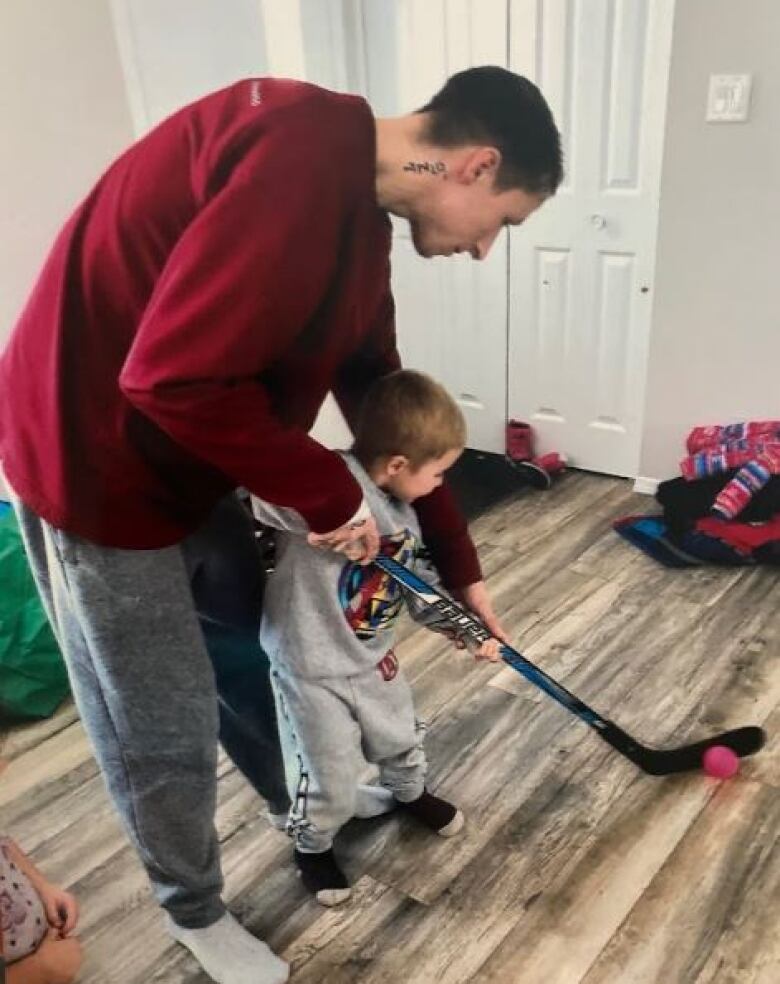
28,970
62,911
55,961
24,864
424,615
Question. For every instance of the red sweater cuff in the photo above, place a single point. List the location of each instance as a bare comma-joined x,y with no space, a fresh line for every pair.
333,511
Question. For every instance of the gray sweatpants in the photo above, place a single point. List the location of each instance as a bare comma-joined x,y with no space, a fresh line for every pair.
162,652
330,726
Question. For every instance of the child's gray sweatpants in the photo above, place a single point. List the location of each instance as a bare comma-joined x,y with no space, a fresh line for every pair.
330,726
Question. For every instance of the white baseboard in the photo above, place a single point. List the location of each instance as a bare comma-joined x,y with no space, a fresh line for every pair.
646,486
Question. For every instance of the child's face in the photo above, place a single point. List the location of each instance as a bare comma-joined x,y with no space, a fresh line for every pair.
408,483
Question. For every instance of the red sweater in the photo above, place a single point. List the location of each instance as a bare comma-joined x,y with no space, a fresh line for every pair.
223,275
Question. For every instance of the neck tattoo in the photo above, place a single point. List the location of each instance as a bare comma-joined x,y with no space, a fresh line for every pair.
423,167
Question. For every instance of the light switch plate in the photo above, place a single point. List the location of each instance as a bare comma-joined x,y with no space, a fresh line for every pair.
728,99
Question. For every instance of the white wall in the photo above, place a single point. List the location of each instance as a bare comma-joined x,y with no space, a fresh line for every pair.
63,117
715,343
175,51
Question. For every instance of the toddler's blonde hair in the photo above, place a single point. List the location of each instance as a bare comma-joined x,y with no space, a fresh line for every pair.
410,414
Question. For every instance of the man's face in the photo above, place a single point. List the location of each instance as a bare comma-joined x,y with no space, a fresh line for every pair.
464,214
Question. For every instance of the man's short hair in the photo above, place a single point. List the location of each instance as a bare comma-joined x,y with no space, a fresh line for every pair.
494,107
408,413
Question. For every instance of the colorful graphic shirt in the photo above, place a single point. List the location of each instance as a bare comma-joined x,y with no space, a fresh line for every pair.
371,600
326,617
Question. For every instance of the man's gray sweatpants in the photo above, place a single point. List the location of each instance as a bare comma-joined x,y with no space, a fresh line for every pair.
331,726
150,637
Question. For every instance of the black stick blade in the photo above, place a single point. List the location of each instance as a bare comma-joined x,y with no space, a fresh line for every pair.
686,758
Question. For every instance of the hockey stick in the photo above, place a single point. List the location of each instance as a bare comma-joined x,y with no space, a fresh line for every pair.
655,761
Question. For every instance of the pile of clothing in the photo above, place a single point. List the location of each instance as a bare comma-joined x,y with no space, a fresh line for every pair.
725,508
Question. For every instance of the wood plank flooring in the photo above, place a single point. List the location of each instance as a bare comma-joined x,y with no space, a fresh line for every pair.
573,868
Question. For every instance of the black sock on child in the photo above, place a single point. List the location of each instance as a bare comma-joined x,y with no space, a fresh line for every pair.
435,813
323,877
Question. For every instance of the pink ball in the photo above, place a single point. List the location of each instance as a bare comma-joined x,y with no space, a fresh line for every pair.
720,762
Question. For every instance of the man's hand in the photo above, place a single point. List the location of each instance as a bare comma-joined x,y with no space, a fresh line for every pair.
357,541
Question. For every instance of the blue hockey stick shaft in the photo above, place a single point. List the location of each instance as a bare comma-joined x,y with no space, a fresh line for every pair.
469,625
658,762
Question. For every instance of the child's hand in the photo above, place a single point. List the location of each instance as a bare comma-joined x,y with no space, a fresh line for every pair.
62,909
58,959
489,651
475,597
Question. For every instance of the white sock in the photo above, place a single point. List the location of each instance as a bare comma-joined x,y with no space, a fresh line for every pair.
277,820
231,955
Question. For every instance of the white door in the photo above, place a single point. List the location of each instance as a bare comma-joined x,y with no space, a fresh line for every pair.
581,270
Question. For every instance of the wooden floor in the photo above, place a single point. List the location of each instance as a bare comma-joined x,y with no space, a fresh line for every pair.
573,867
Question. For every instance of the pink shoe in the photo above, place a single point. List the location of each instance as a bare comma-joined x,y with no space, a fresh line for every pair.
539,471
552,462
519,441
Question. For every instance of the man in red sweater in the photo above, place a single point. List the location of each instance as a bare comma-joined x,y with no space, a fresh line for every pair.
225,274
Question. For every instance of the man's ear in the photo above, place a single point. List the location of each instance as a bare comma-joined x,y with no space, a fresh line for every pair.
481,161
396,464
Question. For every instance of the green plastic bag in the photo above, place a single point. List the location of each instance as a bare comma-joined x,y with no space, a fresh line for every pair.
33,680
